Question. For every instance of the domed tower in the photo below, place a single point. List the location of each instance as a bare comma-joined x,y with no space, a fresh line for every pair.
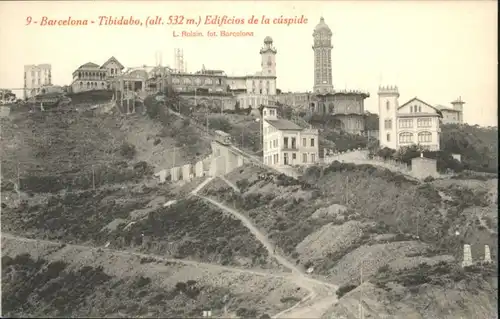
322,57
268,57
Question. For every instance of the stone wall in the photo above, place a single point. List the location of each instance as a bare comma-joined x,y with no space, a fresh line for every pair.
347,156
217,166
422,167
4,111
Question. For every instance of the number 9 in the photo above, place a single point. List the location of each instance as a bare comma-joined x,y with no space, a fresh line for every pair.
28,20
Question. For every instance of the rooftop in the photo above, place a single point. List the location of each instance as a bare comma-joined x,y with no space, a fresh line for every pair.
284,125
446,108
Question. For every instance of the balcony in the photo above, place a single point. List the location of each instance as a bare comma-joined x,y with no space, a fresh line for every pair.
292,148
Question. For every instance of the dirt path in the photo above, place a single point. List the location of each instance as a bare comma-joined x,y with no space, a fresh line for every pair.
141,255
321,294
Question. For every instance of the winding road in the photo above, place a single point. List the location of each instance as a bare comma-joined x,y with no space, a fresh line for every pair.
321,294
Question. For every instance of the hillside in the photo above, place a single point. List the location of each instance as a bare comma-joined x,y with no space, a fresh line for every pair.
477,145
87,179
329,220
49,280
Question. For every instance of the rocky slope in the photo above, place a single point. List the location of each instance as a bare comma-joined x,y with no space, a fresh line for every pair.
345,220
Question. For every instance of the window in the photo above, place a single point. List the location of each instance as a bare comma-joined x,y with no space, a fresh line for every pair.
388,124
312,142
304,158
276,159
424,122
406,123
285,142
405,137
293,143
208,81
424,137
294,156
264,112
313,158
420,109
388,137
304,142
387,106
411,109
271,112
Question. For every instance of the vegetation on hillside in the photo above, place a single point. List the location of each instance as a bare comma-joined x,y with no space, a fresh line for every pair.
478,146
185,134
188,229
284,209
442,274
91,97
37,287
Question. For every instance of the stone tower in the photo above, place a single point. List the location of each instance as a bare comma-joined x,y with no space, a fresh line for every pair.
322,47
458,105
387,111
268,57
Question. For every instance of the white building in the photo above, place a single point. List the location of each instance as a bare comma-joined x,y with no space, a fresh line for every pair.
285,143
414,122
259,88
35,77
453,114
91,76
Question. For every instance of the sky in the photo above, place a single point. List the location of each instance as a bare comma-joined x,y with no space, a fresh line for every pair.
433,50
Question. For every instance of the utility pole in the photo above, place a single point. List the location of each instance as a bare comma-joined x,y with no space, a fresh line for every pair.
347,191
221,105
133,95
418,221
361,315
18,176
224,300
93,177
207,123
173,158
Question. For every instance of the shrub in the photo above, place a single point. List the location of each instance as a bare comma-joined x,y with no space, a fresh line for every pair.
219,123
127,150
345,289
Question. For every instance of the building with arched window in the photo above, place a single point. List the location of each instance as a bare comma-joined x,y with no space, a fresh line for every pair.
414,122
91,76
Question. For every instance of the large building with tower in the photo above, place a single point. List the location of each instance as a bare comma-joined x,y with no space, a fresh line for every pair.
412,123
346,106
216,88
